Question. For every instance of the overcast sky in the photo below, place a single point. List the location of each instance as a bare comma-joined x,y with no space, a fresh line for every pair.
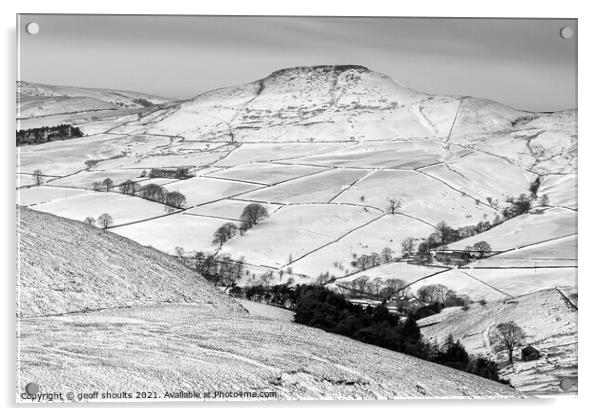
522,63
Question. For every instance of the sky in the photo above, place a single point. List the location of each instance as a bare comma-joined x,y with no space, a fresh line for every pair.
523,63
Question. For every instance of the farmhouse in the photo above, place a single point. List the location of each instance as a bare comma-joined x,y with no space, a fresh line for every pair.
530,353
451,256
177,173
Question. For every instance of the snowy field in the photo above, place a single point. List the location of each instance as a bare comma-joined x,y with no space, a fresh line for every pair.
228,209
202,190
387,231
266,173
295,231
462,283
122,208
40,194
408,187
526,229
321,187
191,232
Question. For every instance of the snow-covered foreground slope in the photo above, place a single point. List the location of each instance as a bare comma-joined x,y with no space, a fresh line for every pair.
66,266
175,348
98,312
549,320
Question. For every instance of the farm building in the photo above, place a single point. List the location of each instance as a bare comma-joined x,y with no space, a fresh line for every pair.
451,256
177,173
530,353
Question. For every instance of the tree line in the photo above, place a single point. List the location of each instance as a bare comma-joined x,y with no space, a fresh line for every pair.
251,215
151,191
45,134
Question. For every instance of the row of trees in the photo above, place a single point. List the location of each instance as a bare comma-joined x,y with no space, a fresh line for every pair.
219,269
47,134
104,221
151,191
251,215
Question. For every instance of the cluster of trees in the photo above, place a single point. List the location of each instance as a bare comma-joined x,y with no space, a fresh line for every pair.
436,297
453,354
143,102
517,206
151,191
47,134
367,261
445,234
105,185
104,221
480,247
283,296
157,193
251,215
376,288
219,269
319,307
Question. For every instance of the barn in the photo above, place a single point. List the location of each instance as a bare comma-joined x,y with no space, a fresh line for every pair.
530,353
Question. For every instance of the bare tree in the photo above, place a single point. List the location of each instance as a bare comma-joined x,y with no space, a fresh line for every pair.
105,220
97,185
224,233
361,283
107,183
252,214
386,255
393,205
397,285
432,293
90,221
446,233
376,284
179,252
482,247
38,177
408,246
153,192
175,199
506,337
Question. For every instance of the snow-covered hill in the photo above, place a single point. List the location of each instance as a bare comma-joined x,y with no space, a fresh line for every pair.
36,100
325,103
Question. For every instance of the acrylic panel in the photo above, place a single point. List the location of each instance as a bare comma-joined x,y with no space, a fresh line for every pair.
283,208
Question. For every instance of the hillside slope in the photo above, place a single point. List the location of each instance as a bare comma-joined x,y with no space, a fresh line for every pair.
65,266
550,324
93,110
201,341
321,103
35,100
